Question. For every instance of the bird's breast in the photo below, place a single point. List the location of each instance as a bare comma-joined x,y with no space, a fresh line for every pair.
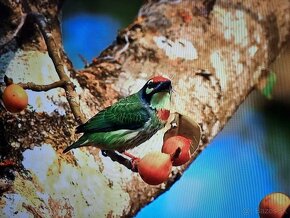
163,114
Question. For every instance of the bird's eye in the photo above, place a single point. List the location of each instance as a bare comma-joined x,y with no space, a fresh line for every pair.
150,84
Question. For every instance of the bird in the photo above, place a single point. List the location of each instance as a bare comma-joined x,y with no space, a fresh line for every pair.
130,121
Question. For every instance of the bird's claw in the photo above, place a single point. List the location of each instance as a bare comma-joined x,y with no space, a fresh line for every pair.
134,161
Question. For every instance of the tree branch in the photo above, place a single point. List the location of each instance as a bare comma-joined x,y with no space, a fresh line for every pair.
42,88
35,87
120,159
54,53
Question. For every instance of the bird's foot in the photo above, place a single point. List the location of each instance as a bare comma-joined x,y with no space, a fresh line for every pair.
134,160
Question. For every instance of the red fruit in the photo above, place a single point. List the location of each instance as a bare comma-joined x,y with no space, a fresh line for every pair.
172,143
274,205
15,98
155,167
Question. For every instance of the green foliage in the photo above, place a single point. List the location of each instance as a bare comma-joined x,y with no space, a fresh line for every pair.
267,90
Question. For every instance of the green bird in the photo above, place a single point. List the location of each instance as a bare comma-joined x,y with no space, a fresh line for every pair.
130,121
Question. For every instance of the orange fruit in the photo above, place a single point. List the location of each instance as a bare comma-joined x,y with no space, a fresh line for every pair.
274,205
15,98
172,143
155,167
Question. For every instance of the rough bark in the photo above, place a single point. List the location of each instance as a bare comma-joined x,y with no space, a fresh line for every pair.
213,51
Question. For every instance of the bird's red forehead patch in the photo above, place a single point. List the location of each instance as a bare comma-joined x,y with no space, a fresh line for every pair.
157,79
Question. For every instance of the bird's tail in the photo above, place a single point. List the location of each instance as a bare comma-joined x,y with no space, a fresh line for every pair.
82,141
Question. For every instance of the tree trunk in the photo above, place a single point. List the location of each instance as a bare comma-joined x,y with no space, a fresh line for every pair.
213,51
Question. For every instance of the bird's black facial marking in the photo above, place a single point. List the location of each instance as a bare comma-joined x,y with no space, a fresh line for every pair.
151,87
151,84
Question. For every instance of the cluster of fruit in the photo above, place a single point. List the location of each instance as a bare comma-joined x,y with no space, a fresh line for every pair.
14,98
155,167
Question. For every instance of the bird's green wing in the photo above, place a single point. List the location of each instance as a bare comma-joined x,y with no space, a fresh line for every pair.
128,113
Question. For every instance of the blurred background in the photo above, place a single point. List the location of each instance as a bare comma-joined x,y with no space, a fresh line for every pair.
249,159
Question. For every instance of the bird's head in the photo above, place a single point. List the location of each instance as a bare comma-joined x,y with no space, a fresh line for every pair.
156,90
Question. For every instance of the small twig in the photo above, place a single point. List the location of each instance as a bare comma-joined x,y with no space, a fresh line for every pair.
40,88
20,25
122,50
8,81
176,153
54,53
35,87
120,159
84,60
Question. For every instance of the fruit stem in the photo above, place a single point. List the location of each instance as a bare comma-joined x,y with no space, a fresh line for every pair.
8,81
175,154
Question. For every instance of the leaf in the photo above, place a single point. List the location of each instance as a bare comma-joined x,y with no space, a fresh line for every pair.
267,89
